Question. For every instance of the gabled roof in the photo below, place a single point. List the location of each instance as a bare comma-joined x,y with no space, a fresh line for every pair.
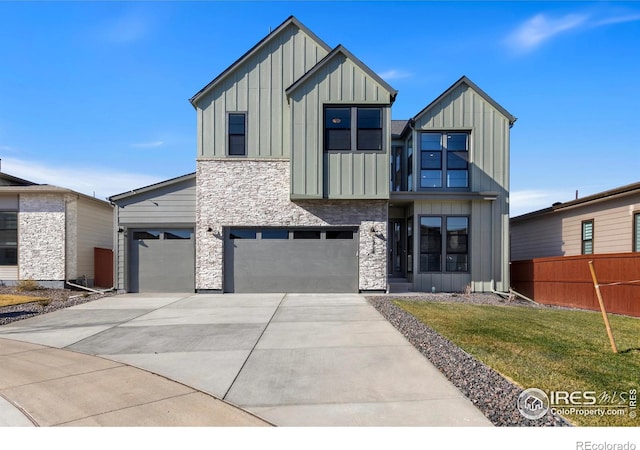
152,187
10,180
628,189
480,92
255,49
341,50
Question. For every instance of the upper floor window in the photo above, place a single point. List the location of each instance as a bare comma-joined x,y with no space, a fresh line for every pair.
444,160
237,134
636,232
340,134
587,237
8,238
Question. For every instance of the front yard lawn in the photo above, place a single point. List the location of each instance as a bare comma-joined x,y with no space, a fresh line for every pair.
550,349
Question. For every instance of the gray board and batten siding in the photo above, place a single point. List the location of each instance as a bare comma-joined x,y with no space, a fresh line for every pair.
339,80
160,208
256,85
465,107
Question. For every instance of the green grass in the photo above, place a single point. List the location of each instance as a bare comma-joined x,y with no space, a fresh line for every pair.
551,349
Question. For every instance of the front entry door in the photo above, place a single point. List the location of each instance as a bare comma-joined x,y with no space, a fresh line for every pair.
397,266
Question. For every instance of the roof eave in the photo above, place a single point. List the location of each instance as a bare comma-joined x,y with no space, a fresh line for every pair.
464,80
263,42
152,187
332,54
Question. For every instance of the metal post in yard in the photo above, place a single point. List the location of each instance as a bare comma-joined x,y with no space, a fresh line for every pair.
604,312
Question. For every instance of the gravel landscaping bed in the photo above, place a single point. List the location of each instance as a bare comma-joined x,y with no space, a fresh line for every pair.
492,394
55,299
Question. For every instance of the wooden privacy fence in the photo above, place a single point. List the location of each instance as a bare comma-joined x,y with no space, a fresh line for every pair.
566,281
103,267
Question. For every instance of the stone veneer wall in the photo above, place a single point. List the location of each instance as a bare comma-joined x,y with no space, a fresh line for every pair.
245,192
41,238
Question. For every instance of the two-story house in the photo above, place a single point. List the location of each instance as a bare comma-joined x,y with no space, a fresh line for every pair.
305,184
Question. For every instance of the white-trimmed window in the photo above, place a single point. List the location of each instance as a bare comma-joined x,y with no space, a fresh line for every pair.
8,238
636,232
587,237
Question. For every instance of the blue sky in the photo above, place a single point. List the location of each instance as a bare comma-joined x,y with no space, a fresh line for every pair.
94,95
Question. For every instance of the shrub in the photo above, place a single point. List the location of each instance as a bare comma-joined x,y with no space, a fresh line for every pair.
27,285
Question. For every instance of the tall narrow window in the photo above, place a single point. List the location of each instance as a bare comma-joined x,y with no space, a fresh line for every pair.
587,237
8,238
237,134
431,160
430,244
636,232
337,129
410,164
369,129
457,244
444,160
457,160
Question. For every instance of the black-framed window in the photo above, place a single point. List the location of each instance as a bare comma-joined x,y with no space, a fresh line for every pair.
369,136
147,235
444,244
636,232
444,160
587,237
340,134
237,134
8,238
243,233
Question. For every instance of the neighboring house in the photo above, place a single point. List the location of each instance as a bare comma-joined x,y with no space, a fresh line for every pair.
607,222
48,233
304,183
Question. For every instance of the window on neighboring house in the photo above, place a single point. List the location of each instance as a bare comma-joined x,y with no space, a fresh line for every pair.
449,244
339,134
8,238
237,134
444,160
587,237
636,232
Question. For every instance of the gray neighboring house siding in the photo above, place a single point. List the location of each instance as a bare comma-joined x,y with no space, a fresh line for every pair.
57,231
164,206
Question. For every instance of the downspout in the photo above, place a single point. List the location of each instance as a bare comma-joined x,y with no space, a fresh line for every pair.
491,257
96,291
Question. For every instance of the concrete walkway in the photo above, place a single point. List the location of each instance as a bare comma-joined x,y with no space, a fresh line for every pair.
292,360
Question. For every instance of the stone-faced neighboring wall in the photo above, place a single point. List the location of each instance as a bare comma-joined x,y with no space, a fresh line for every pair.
245,192
41,238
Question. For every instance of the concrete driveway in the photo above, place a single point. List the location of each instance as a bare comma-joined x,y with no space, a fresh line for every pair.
291,359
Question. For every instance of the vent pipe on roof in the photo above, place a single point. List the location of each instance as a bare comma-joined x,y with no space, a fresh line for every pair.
576,194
